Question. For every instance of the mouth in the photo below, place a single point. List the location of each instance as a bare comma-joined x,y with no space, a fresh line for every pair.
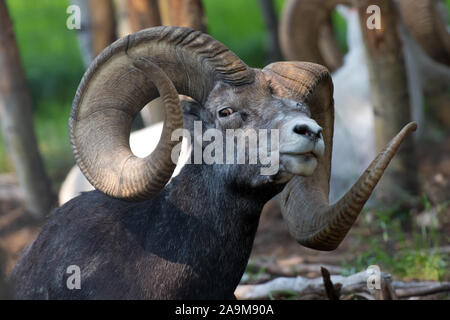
309,154
299,163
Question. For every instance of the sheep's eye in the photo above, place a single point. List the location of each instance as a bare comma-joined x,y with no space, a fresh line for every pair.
225,112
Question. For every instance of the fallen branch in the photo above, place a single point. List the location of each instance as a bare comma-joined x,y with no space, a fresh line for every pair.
423,290
413,284
352,286
292,270
304,286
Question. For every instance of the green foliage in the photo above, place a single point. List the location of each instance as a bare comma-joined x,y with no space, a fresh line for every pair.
283,295
5,164
53,135
279,4
49,51
447,4
340,27
253,272
405,256
52,62
240,26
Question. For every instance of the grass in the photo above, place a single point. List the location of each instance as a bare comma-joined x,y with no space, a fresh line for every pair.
407,255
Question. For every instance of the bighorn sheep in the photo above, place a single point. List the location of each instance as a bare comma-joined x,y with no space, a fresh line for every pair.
135,238
355,141
354,125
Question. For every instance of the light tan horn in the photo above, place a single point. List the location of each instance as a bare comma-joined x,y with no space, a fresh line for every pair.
304,200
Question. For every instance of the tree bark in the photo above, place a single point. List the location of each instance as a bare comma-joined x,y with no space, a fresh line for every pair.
143,14
390,99
17,123
103,24
183,13
98,27
123,27
271,21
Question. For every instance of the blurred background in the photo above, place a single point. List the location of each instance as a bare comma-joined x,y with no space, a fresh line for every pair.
406,226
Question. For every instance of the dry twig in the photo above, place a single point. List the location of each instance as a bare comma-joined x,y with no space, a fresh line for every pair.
340,287
333,291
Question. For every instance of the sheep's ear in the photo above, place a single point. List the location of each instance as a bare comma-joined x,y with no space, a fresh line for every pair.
192,111
191,108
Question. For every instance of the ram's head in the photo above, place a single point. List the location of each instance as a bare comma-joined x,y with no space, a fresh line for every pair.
294,97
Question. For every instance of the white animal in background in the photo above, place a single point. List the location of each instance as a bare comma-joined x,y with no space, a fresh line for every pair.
354,142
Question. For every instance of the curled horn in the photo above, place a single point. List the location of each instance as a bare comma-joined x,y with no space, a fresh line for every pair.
121,80
304,200
424,21
303,23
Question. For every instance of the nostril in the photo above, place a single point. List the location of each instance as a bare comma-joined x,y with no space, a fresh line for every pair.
304,130
301,129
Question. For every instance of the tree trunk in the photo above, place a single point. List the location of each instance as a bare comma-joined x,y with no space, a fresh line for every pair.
390,99
183,13
123,27
271,21
143,14
103,24
4,292
17,123
4,289
98,27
